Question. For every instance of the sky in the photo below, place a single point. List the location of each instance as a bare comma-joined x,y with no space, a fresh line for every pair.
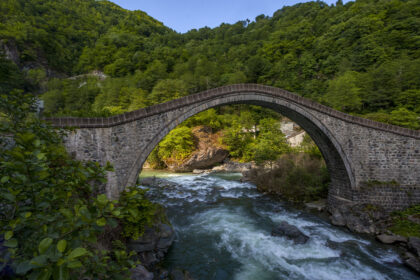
184,15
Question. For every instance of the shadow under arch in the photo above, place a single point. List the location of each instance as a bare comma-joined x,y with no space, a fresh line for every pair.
339,167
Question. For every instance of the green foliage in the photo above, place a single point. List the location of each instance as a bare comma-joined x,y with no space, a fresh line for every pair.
403,224
404,117
271,142
62,33
52,213
297,177
210,118
309,147
135,212
166,90
361,58
343,93
177,145
237,141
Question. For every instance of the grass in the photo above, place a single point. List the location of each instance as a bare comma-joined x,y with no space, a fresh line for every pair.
402,225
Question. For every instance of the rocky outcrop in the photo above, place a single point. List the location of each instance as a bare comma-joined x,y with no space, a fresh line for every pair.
412,261
153,245
141,273
412,256
391,238
203,159
361,218
290,232
414,245
373,219
208,153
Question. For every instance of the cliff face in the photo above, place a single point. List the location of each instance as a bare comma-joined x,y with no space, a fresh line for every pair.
209,152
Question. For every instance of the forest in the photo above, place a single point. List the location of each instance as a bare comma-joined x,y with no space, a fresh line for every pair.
93,58
361,58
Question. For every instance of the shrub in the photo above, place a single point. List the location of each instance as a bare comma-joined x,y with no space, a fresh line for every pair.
297,177
53,214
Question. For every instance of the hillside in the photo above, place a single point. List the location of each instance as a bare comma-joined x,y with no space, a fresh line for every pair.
362,58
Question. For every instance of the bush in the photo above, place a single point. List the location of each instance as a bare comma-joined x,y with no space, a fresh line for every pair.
297,177
53,216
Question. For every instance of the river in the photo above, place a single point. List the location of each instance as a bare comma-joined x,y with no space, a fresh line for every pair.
223,231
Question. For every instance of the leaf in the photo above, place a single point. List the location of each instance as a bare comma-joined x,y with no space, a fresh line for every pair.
44,245
74,264
134,213
37,142
78,252
8,235
45,275
4,179
24,267
61,246
116,213
40,156
61,273
9,197
101,222
66,213
39,260
11,243
102,199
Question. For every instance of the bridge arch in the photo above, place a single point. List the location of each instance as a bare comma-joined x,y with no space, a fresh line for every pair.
340,169
369,162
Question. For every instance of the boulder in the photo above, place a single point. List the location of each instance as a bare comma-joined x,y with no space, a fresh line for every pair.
412,262
203,159
153,244
337,219
233,166
318,205
414,245
390,238
141,273
290,232
361,218
178,274
208,153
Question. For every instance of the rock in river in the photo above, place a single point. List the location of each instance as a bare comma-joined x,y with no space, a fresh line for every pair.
290,232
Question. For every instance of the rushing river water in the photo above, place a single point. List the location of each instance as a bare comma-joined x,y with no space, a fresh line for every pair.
223,230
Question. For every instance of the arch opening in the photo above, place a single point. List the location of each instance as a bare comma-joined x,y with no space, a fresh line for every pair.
341,174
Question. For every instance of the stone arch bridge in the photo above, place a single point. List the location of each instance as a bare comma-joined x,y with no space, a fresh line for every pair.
369,162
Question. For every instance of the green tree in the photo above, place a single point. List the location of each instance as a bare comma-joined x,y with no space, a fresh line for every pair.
404,117
271,142
177,145
166,90
343,93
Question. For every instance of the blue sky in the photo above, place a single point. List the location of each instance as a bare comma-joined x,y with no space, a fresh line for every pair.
183,15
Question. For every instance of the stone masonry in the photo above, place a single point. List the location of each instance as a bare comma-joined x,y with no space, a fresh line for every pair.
368,161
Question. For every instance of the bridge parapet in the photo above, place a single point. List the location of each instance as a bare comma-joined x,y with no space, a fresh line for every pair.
219,92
